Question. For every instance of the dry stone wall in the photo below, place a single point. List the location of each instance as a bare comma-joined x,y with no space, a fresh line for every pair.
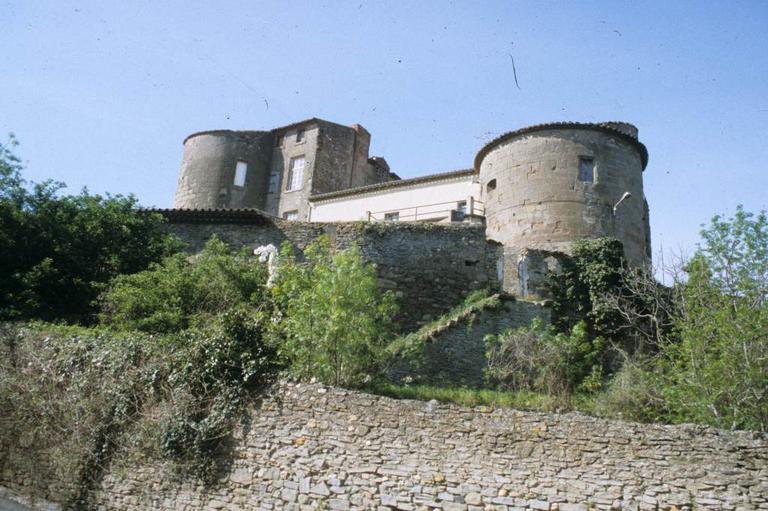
310,447
314,447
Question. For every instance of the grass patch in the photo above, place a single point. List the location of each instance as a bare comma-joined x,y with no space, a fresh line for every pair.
522,400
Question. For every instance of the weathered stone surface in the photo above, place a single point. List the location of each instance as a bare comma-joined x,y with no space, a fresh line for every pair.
446,460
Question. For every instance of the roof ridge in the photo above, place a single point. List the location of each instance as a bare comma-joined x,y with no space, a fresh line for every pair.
391,184
597,126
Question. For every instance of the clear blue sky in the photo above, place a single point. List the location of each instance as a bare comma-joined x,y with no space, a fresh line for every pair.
102,93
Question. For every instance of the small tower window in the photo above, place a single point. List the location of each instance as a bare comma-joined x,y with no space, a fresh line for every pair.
587,170
299,135
241,169
296,174
291,215
491,185
274,182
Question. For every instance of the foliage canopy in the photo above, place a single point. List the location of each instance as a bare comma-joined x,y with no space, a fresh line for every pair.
59,251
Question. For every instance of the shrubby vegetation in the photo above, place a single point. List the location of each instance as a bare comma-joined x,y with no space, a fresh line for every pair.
539,359
182,291
181,348
60,251
334,324
623,345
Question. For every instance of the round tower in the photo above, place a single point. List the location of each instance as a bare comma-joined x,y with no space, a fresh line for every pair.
546,186
224,169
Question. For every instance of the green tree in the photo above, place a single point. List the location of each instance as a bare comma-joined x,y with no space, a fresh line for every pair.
718,371
334,320
59,251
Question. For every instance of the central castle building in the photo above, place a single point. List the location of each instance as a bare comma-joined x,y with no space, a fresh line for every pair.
536,189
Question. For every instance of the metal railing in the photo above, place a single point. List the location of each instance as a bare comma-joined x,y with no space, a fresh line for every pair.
427,212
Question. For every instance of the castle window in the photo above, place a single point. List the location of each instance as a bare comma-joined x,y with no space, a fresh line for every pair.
291,215
279,141
299,135
392,217
461,207
586,170
274,182
491,185
241,169
296,173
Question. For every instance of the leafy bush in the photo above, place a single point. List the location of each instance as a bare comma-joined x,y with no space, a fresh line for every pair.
67,394
333,320
73,397
633,393
183,291
539,359
60,251
594,269
711,360
210,376
718,371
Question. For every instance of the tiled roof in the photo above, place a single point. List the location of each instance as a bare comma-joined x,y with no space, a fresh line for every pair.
387,185
213,215
603,127
261,132
226,132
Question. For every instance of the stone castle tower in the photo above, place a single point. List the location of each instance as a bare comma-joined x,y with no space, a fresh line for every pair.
538,189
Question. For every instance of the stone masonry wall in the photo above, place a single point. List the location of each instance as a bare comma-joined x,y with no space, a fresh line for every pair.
314,447
431,268
455,355
310,447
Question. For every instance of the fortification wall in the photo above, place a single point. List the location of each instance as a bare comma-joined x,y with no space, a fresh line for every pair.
454,353
314,447
430,268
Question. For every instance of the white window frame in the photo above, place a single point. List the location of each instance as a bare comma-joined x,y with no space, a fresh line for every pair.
291,215
295,174
241,171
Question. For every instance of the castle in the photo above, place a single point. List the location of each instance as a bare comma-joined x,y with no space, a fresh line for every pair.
535,190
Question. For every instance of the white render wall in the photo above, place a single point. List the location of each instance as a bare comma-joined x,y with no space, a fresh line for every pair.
432,200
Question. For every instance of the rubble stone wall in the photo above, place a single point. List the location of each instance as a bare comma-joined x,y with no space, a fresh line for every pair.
309,446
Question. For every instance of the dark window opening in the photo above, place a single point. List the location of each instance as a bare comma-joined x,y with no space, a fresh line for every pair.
587,170
491,185
299,135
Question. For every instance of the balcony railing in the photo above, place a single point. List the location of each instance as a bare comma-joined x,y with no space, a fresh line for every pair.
453,210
